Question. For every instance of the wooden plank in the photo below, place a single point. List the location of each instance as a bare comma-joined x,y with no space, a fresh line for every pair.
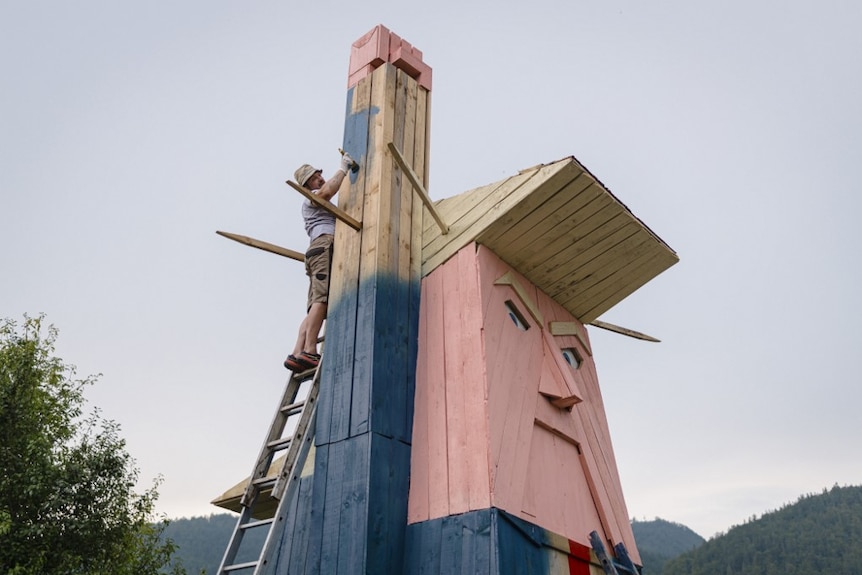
349,548
594,271
591,243
389,461
326,205
420,467
265,246
463,228
623,330
418,187
337,371
540,211
319,503
456,417
423,547
375,258
640,274
601,284
588,211
433,348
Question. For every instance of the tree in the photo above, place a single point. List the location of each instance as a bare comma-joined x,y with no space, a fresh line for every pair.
67,504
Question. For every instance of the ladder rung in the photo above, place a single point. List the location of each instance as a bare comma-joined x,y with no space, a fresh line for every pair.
262,481
293,408
253,524
279,443
238,566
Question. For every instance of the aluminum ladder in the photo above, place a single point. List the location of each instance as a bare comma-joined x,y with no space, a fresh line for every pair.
297,410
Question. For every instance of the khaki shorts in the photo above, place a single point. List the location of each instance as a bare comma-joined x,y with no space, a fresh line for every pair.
318,263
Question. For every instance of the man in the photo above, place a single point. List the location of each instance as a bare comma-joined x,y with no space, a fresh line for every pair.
320,226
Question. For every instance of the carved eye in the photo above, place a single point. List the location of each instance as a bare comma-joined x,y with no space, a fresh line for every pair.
516,316
572,357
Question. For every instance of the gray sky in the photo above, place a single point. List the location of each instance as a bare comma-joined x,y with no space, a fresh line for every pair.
130,132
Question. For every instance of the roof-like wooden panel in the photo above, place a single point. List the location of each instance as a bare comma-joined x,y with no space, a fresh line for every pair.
562,229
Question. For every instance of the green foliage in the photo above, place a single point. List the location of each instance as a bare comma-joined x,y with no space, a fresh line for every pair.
817,534
67,504
659,541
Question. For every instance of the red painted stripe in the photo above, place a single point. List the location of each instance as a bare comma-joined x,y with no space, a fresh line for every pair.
579,559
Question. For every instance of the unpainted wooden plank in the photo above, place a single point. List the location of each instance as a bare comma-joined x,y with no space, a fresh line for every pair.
546,221
602,283
464,229
590,273
566,247
488,209
536,209
645,271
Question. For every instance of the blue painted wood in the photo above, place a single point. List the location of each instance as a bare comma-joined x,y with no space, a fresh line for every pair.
301,528
519,550
455,544
387,504
318,501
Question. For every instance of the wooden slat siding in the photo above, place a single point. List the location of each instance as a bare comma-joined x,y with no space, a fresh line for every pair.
451,545
464,226
374,253
538,210
455,207
420,455
512,385
320,481
473,384
454,358
337,370
556,271
435,383
592,272
298,555
620,290
583,228
603,284
518,552
347,547
387,504
599,424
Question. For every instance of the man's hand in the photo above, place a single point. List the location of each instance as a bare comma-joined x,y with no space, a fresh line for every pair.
348,163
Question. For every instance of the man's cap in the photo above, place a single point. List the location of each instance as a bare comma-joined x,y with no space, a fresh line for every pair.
304,173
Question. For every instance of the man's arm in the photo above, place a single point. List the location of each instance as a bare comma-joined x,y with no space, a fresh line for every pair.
332,185
330,188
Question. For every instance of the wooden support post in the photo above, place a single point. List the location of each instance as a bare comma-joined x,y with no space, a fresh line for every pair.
420,189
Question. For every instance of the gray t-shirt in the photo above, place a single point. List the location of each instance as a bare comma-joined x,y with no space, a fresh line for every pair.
317,220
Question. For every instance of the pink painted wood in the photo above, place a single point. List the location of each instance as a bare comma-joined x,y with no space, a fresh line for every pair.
484,433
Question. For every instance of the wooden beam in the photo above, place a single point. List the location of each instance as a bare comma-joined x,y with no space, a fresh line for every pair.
417,185
328,206
265,246
623,330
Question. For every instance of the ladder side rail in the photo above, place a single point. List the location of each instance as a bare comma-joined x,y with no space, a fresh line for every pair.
264,458
289,491
235,541
304,428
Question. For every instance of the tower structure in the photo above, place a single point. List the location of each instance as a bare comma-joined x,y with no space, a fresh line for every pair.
460,424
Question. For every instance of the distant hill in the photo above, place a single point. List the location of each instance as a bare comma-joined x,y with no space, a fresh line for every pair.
817,534
659,541
201,542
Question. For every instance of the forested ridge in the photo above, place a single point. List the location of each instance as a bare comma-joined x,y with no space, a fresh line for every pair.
819,533
816,534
